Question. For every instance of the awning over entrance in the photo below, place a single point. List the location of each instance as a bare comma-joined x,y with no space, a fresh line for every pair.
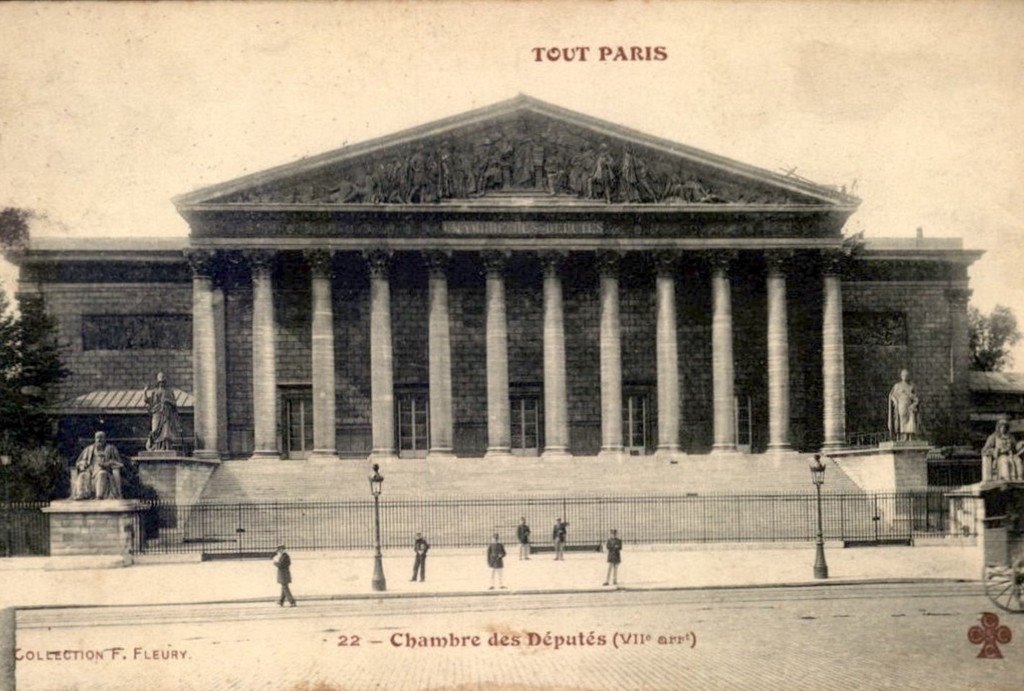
118,401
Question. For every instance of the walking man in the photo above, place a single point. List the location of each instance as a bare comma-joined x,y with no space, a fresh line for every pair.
496,560
614,548
420,547
284,575
523,533
558,537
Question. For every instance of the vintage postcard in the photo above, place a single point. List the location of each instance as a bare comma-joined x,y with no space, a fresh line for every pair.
511,345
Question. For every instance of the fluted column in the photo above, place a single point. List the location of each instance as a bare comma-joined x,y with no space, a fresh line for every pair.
833,366
723,372
382,390
556,414
499,439
610,337
204,355
439,357
264,356
322,339
778,355
667,347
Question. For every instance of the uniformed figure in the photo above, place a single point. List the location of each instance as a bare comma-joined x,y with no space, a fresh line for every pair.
496,560
523,533
558,538
613,546
284,575
419,566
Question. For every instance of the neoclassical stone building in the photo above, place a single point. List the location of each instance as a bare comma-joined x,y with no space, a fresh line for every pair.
517,280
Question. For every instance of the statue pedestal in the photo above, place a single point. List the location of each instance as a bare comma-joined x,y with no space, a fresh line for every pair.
891,467
177,479
95,527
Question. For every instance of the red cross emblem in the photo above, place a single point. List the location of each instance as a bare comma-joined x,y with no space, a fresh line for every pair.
989,635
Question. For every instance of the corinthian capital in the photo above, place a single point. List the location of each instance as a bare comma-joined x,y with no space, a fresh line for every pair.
259,261
201,261
320,262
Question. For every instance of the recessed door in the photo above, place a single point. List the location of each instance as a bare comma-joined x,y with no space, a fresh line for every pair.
525,418
298,424
413,425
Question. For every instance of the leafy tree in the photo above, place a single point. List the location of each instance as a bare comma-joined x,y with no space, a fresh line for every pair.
14,228
992,335
30,367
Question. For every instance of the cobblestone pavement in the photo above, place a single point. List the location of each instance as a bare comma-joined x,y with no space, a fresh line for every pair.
908,636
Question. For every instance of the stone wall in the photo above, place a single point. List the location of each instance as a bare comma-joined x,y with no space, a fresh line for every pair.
91,370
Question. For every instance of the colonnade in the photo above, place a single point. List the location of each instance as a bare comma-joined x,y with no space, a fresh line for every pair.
208,337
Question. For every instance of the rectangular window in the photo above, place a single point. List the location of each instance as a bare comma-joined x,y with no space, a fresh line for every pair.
298,423
413,424
136,331
875,329
525,417
744,423
634,424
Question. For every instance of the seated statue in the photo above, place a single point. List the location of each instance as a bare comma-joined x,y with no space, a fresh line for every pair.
97,472
1000,457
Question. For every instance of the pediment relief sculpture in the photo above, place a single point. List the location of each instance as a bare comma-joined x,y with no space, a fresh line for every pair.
525,157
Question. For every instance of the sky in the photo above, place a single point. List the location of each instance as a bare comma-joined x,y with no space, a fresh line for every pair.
107,111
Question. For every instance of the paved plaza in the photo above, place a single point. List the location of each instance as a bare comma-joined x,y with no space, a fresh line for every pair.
906,636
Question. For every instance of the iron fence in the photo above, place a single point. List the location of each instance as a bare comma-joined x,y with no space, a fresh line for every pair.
467,522
24,529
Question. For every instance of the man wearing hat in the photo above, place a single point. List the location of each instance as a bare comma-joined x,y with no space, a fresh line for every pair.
284,575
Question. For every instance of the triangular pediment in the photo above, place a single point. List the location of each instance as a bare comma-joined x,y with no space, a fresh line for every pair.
519,149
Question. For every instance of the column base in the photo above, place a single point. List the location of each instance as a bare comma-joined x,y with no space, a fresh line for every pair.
724,449
833,445
614,453
499,453
557,453
440,455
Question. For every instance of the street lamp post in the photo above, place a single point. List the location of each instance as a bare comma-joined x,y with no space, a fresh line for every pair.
376,484
818,477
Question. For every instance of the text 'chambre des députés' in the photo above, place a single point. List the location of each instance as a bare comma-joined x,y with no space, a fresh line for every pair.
599,53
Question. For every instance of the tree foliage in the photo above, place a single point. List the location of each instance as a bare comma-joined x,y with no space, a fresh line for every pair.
30,367
992,335
14,228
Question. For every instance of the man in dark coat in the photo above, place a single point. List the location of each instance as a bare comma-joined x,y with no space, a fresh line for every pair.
558,537
284,575
613,547
496,560
523,533
420,547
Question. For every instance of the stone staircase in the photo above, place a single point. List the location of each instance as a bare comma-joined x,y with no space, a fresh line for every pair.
254,481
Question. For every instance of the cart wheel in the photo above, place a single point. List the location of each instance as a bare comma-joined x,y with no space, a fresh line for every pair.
1004,585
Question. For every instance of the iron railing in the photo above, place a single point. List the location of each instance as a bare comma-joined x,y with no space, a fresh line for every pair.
465,522
469,522
24,529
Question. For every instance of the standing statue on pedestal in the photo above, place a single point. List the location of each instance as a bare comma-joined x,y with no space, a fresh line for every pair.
1000,457
904,409
97,472
164,427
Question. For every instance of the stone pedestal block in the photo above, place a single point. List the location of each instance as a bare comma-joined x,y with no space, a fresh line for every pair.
177,479
94,527
891,467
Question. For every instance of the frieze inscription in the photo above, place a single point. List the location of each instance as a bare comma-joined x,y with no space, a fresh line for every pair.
522,228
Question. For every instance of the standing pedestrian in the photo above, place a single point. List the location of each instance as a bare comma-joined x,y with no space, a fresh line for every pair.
614,548
523,533
558,537
284,575
420,547
496,560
